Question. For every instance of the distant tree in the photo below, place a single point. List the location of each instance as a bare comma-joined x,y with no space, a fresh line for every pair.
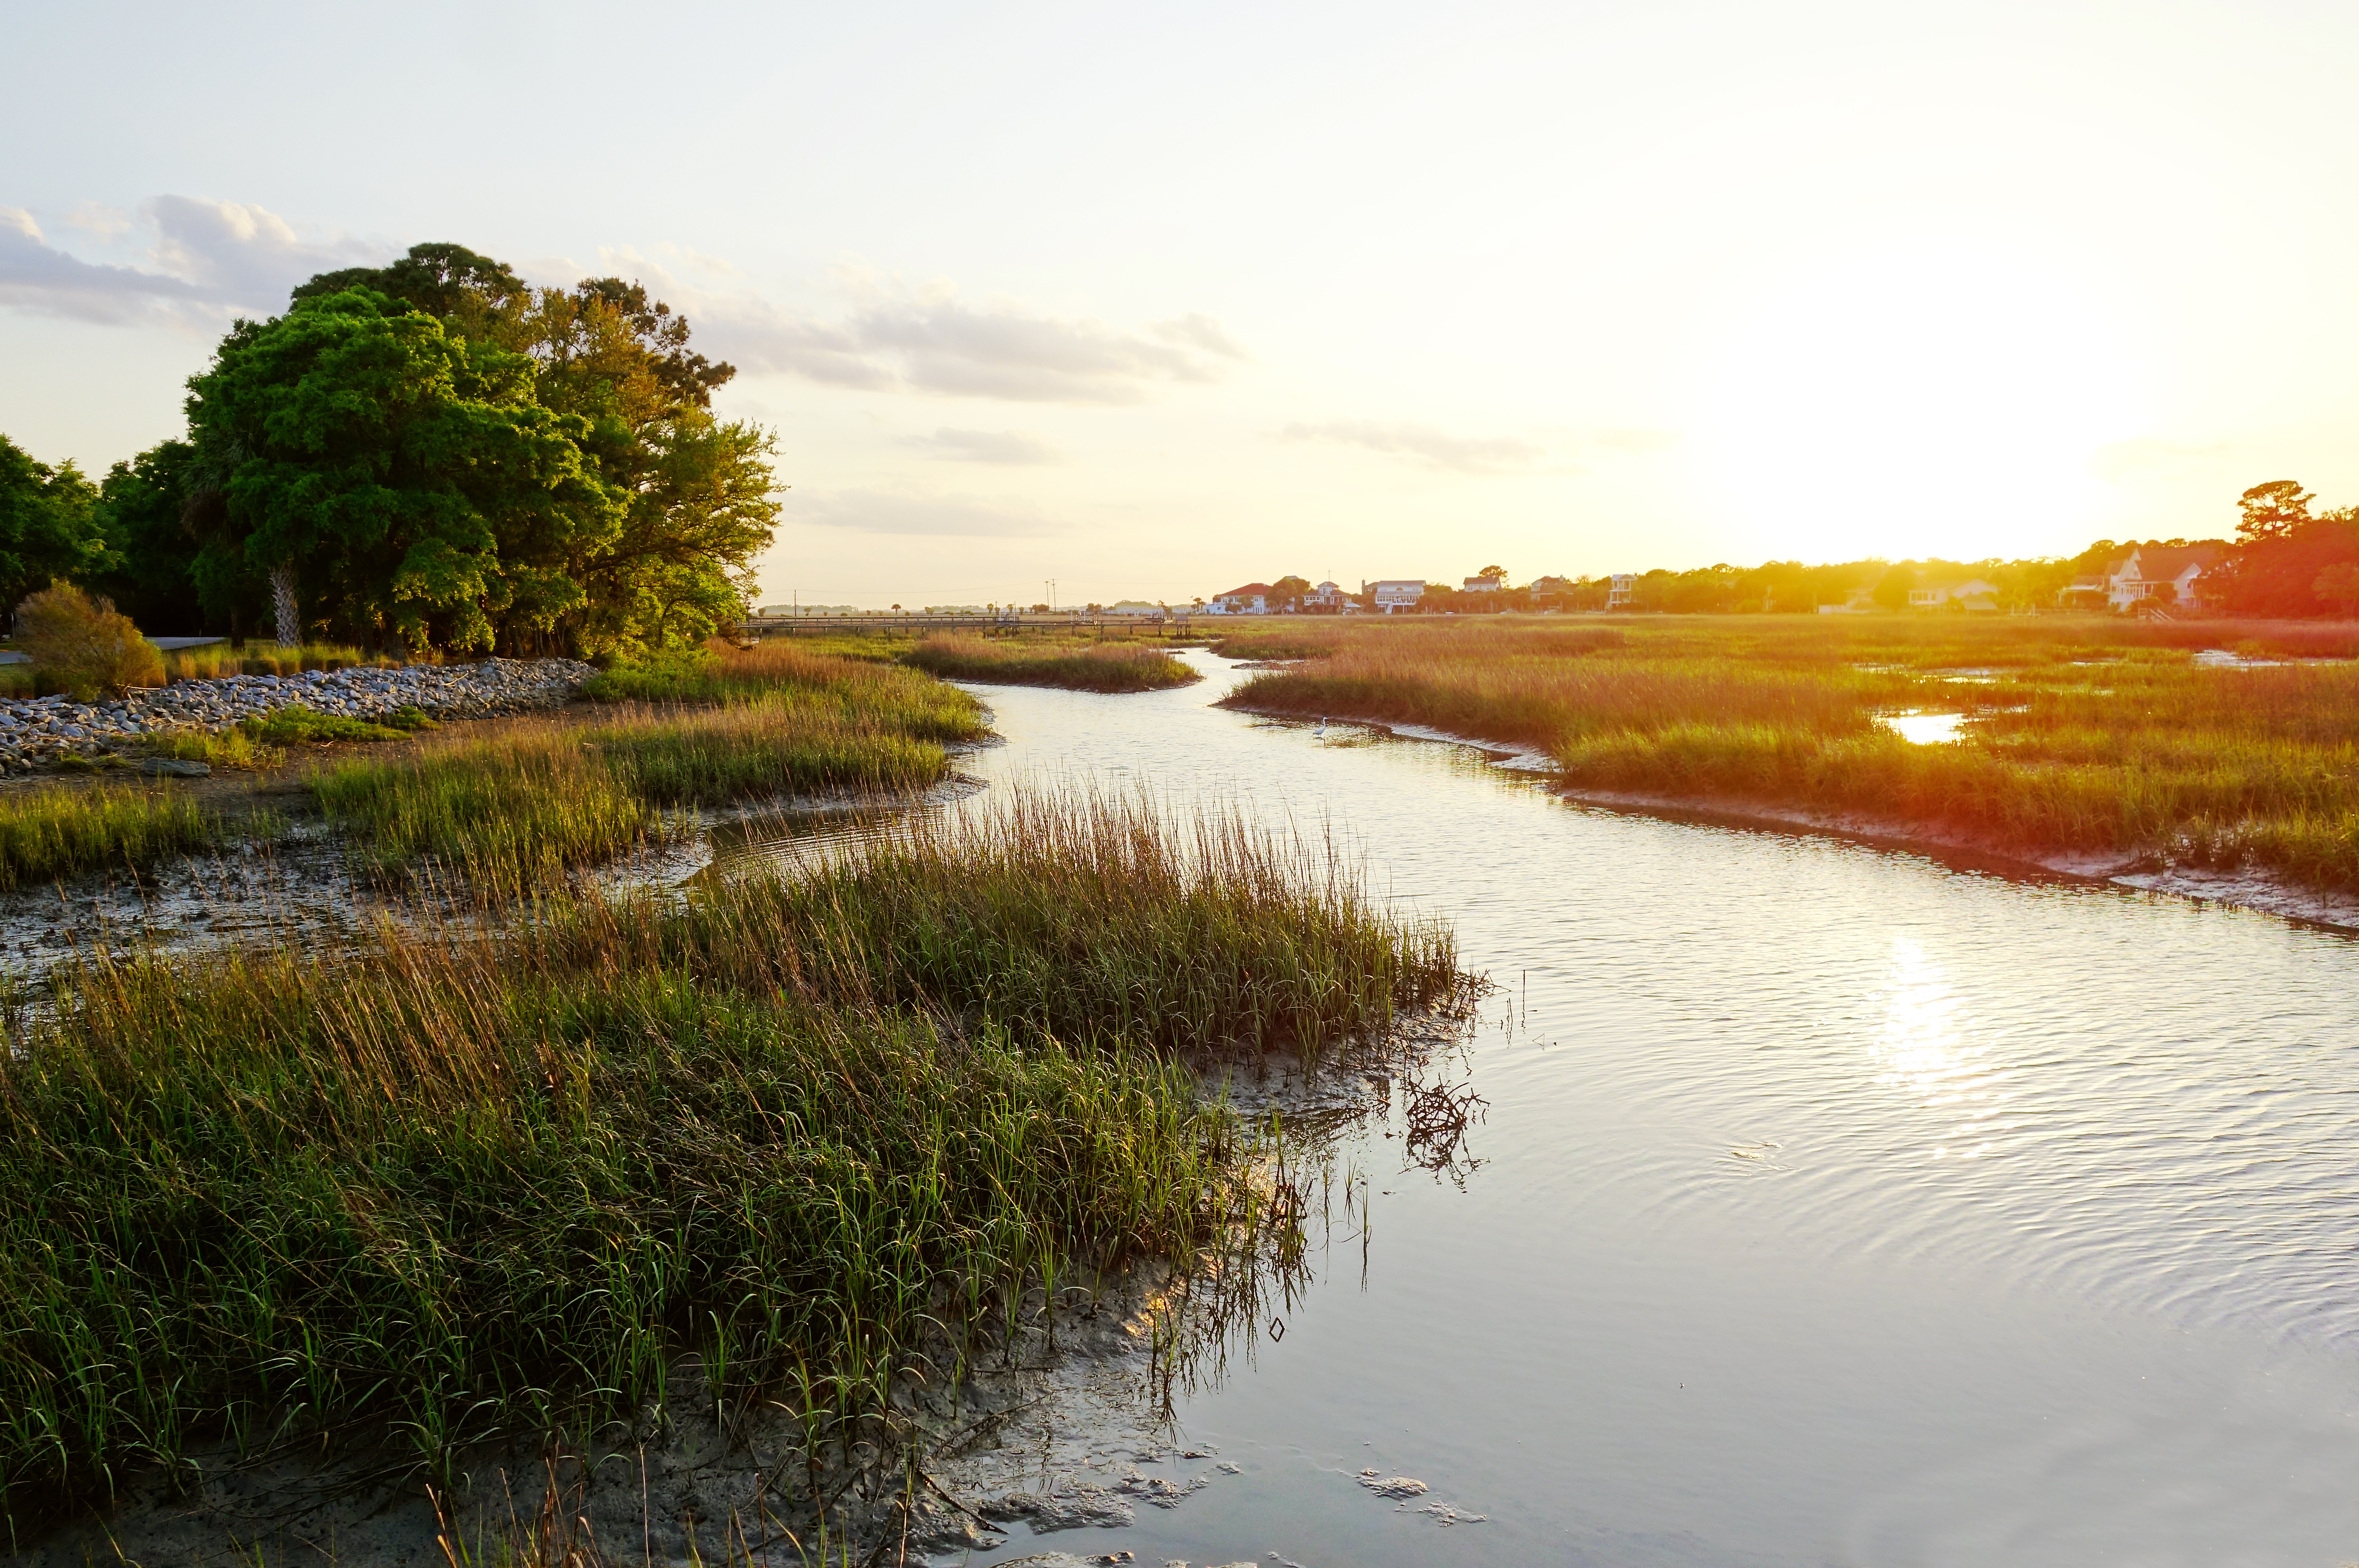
1289,590
144,516
47,527
1892,589
2272,511
2339,586
2281,550
1498,572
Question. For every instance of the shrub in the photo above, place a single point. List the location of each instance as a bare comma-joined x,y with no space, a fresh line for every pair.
82,646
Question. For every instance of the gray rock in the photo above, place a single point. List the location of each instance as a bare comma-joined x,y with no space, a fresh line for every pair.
1081,1507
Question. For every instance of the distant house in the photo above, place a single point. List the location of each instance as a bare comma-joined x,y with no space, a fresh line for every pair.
1395,594
1252,599
1326,596
1621,591
1968,593
1489,582
1550,585
1858,602
2166,574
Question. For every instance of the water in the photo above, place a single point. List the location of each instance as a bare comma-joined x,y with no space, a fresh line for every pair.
1840,1206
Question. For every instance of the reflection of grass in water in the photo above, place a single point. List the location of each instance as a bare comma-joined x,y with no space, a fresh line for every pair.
466,1185
2141,750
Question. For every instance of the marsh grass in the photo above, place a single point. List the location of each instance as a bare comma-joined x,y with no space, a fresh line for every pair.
2085,733
260,658
515,813
1094,667
56,833
462,1186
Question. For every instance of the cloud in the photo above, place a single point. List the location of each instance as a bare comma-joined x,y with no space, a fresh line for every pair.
37,276
904,513
1423,444
986,446
936,342
210,258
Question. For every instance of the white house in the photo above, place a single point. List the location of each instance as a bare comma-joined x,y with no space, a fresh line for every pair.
2163,573
1489,582
1972,593
1621,591
1395,594
1326,596
1252,599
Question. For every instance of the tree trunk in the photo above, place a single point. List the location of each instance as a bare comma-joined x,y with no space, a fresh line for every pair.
282,606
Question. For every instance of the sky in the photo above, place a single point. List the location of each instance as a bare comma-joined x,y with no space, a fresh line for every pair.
1150,301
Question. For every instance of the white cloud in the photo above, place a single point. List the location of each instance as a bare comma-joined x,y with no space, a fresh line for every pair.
986,446
37,276
208,257
1423,444
910,513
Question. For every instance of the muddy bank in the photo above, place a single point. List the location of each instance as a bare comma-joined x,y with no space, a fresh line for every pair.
2245,887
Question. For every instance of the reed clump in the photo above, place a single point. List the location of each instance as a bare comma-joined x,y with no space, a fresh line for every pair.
1094,667
2082,734
515,813
215,660
459,1186
58,832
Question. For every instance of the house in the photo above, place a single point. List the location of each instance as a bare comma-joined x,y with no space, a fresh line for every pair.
1858,602
1621,591
2165,574
1489,582
1394,594
1967,593
1252,599
1542,585
1326,597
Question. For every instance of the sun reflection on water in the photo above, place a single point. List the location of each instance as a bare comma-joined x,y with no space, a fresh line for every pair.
1925,1056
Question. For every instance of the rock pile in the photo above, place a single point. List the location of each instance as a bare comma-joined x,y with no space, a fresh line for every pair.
38,730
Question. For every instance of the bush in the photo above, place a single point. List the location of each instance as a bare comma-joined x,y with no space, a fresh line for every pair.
81,645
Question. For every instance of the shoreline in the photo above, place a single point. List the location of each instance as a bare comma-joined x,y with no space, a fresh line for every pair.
2243,889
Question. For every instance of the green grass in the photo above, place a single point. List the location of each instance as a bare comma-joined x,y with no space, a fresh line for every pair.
2086,733
1096,667
54,833
513,814
455,1188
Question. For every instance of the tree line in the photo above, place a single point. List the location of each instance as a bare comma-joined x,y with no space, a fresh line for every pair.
427,457
2286,561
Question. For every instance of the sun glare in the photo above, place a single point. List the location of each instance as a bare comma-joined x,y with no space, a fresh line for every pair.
1917,402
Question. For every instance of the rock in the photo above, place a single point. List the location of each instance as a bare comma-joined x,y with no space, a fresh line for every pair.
1391,1486
1082,1507
173,767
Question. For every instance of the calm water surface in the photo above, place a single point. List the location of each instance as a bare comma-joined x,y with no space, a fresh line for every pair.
1840,1207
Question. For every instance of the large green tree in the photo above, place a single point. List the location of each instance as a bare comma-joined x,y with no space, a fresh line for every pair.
401,476
696,490
48,524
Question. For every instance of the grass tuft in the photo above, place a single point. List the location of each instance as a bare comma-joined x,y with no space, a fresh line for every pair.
455,1187
1100,667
